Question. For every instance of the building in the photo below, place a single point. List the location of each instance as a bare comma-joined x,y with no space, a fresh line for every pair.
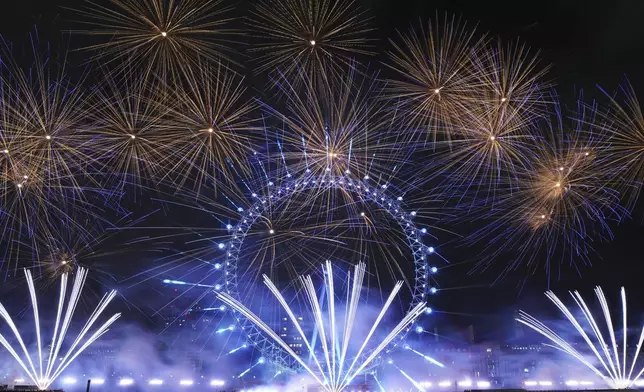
292,337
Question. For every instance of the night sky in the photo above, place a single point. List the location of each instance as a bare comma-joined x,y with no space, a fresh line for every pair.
588,42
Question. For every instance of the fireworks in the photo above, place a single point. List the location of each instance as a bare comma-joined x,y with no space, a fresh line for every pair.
212,129
336,127
615,369
559,201
158,35
473,102
438,79
314,37
497,127
512,81
44,373
317,172
127,132
335,370
626,144
490,151
497,131
43,166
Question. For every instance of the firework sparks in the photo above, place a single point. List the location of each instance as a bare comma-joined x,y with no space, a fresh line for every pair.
559,200
438,79
43,167
127,126
213,128
497,127
511,80
335,370
336,127
43,374
314,37
159,35
488,152
626,144
614,369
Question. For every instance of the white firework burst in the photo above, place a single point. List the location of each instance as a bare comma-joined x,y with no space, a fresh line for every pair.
608,360
44,373
335,370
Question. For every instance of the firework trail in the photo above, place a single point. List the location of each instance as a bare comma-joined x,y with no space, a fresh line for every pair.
44,373
335,370
614,369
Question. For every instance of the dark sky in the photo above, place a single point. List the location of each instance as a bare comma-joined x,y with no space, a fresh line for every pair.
588,42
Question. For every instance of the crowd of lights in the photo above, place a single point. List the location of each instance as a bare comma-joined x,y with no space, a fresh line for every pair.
127,382
425,384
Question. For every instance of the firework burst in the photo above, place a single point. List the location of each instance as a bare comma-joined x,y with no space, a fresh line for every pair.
314,37
127,132
213,128
511,80
437,77
560,200
497,128
44,373
626,143
44,166
68,248
42,113
484,159
158,35
336,127
614,368
335,368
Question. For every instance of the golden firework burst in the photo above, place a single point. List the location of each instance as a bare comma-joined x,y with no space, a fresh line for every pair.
212,128
625,122
562,200
316,37
437,79
158,35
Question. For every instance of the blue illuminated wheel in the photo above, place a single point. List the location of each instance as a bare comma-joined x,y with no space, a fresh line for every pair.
276,194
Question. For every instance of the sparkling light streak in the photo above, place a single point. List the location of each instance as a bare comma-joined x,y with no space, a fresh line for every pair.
612,355
427,357
335,370
243,346
222,330
259,362
44,374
